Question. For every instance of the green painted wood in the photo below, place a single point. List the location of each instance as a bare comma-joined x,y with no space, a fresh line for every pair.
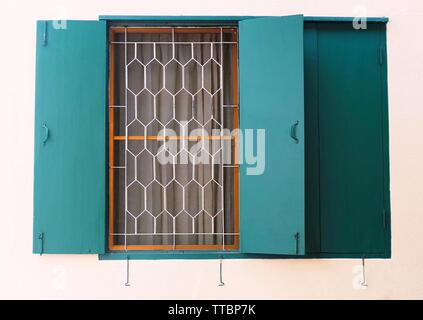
227,18
272,98
207,255
311,114
385,138
352,146
69,175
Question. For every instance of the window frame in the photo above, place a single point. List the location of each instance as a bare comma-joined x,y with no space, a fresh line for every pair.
112,138
236,254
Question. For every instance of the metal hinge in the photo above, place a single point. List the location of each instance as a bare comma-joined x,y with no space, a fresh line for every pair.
297,243
41,239
45,34
384,218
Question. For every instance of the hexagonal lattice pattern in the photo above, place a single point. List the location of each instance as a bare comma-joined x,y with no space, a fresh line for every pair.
193,77
174,89
136,82
174,76
135,199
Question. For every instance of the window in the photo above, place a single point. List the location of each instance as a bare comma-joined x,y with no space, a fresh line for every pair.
347,166
173,182
125,105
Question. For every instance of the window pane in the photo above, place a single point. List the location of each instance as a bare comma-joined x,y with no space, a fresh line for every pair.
176,190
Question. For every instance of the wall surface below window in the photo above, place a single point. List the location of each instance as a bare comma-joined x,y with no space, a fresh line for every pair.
24,275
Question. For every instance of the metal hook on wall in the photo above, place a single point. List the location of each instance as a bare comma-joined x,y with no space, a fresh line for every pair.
363,281
221,283
127,284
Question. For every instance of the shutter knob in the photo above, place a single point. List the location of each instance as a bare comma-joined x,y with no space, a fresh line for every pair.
46,133
294,131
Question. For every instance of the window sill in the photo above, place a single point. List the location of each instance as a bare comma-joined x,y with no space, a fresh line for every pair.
207,255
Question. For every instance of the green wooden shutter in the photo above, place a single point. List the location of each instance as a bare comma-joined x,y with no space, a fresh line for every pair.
354,162
70,109
272,98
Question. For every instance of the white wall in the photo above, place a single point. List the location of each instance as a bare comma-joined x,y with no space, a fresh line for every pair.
24,275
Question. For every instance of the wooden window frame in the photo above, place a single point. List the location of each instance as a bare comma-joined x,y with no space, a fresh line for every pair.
112,138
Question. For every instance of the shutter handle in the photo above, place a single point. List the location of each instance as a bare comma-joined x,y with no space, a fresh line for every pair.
294,131
46,133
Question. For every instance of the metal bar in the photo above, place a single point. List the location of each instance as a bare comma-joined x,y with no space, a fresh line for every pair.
164,138
127,284
235,123
363,265
173,167
175,27
126,138
111,140
221,145
170,42
177,233
221,283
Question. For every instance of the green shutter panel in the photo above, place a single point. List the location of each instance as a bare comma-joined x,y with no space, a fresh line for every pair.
70,109
353,137
272,98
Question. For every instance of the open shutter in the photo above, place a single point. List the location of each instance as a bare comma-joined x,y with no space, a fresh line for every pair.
69,175
272,98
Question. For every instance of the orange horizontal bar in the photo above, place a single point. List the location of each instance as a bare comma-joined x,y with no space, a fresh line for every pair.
176,247
161,138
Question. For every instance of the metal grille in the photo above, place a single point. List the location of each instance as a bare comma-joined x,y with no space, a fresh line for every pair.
173,92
